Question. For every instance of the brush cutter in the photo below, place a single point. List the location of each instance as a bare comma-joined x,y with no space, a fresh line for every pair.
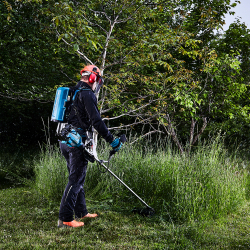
91,155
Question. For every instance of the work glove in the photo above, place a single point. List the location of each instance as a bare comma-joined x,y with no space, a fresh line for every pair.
116,144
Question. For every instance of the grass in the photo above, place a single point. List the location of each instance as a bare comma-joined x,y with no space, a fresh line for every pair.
16,165
201,202
208,184
51,173
29,222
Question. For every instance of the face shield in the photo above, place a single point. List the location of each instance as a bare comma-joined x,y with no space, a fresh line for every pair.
95,79
99,84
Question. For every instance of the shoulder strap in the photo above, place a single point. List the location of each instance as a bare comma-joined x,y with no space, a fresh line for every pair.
76,95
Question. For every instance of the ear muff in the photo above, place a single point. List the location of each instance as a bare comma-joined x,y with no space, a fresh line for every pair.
92,78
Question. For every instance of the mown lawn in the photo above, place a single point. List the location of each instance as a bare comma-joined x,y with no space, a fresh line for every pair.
29,222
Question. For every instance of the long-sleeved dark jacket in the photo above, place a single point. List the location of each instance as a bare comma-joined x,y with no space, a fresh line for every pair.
85,109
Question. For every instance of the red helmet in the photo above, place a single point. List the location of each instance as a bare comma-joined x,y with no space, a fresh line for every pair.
92,71
91,68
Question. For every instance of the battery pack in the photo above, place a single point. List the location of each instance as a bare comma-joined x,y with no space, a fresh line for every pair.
61,102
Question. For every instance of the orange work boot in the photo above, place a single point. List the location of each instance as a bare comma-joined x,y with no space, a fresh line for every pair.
72,223
90,216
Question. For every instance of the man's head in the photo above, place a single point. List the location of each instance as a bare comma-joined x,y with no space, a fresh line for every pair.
89,74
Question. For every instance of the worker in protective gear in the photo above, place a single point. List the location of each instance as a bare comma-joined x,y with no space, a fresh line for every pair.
83,116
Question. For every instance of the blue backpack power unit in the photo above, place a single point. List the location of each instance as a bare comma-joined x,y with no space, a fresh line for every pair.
62,102
62,107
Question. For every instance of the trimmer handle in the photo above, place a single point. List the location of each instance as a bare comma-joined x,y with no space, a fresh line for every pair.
122,139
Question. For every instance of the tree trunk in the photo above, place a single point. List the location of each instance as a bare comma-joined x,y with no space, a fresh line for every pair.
172,133
204,125
193,122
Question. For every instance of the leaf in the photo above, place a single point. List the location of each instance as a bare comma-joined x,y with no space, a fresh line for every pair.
57,21
76,47
94,44
60,37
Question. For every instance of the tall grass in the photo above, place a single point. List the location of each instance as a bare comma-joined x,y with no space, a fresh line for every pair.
206,184
50,173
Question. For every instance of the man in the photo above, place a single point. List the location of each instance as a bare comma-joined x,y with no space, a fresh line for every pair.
84,115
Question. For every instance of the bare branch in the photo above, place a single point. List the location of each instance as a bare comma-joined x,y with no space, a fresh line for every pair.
131,124
130,17
80,53
67,76
127,113
151,132
23,98
120,61
85,58
101,12
95,24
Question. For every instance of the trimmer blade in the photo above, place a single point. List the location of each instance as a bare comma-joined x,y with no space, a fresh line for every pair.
147,211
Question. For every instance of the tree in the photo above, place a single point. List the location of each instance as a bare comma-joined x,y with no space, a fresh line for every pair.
195,95
31,65
161,73
236,41
196,107
106,33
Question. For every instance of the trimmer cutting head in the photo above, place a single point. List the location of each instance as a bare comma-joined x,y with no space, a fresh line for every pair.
147,211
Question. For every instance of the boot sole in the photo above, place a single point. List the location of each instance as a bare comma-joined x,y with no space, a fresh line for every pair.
61,225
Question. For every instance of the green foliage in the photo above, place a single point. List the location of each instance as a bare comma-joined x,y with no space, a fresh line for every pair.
168,72
235,118
30,68
31,64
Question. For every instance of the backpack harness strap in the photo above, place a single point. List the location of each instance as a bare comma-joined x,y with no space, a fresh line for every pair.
76,108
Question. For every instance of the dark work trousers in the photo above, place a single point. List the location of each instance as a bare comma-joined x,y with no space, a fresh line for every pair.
73,200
